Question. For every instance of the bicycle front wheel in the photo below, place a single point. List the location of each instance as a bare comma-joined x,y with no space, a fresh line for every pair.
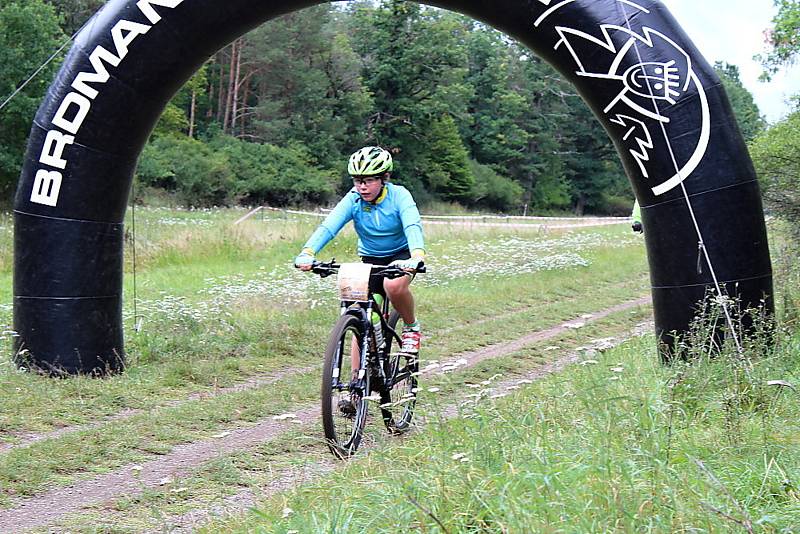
399,396
344,409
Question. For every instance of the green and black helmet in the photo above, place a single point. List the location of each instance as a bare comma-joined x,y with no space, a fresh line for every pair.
370,161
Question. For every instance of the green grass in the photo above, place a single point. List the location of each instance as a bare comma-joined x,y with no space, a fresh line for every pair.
302,450
598,448
28,470
202,333
195,357
192,350
592,449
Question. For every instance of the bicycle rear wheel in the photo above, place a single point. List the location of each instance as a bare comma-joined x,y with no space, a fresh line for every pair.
399,395
344,410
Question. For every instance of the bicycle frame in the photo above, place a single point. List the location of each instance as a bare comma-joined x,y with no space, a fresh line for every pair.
369,358
382,375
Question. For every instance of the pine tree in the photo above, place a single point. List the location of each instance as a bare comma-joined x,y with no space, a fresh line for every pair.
447,168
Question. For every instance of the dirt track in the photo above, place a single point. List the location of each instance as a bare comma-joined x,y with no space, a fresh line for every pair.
130,480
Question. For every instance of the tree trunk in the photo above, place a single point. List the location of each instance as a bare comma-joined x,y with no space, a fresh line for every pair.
210,90
237,69
192,110
580,205
221,92
227,115
243,113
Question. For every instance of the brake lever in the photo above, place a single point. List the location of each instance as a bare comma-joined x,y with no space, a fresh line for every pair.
322,268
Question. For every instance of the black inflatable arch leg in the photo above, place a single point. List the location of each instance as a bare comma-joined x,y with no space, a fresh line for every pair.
658,99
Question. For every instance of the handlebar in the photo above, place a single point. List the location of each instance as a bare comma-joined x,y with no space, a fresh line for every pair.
327,268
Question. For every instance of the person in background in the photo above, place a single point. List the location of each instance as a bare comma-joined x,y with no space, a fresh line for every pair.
636,217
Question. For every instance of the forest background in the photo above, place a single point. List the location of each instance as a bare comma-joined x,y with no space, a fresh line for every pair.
472,118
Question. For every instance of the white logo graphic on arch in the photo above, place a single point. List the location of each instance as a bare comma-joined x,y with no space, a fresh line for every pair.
642,87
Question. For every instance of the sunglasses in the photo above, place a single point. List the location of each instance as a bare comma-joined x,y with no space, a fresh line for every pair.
365,180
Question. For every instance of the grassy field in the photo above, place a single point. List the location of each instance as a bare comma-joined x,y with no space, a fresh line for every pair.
231,336
614,445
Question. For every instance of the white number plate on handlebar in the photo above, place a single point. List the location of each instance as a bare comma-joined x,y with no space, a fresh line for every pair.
353,281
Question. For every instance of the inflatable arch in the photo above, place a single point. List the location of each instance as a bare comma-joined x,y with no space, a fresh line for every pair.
658,99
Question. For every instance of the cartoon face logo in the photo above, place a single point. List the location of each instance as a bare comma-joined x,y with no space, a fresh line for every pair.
645,72
654,80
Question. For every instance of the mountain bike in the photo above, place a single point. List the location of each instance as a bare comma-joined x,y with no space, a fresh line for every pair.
386,377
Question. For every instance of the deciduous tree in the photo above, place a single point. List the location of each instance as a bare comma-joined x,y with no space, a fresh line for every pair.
29,34
751,123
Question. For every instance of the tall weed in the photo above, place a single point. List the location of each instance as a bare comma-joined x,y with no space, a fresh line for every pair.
787,273
740,364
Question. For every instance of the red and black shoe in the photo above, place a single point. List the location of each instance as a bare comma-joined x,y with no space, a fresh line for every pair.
411,340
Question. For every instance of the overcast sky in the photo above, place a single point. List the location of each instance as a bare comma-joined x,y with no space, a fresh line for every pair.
733,31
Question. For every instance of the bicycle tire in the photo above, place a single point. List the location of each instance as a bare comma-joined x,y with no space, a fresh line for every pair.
343,432
399,394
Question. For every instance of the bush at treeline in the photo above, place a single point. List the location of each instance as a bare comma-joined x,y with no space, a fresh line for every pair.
470,116
225,170
776,155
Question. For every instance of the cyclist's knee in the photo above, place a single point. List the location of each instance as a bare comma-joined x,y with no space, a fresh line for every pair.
397,286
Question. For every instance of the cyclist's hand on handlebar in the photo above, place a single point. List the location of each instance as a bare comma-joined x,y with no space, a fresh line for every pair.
304,260
411,264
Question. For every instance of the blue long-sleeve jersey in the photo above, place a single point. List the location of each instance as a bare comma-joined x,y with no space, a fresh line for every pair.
384,228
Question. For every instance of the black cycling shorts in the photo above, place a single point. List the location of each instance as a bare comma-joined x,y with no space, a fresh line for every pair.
376,284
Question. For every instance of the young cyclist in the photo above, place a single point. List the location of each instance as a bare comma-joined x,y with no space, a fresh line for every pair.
389,231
